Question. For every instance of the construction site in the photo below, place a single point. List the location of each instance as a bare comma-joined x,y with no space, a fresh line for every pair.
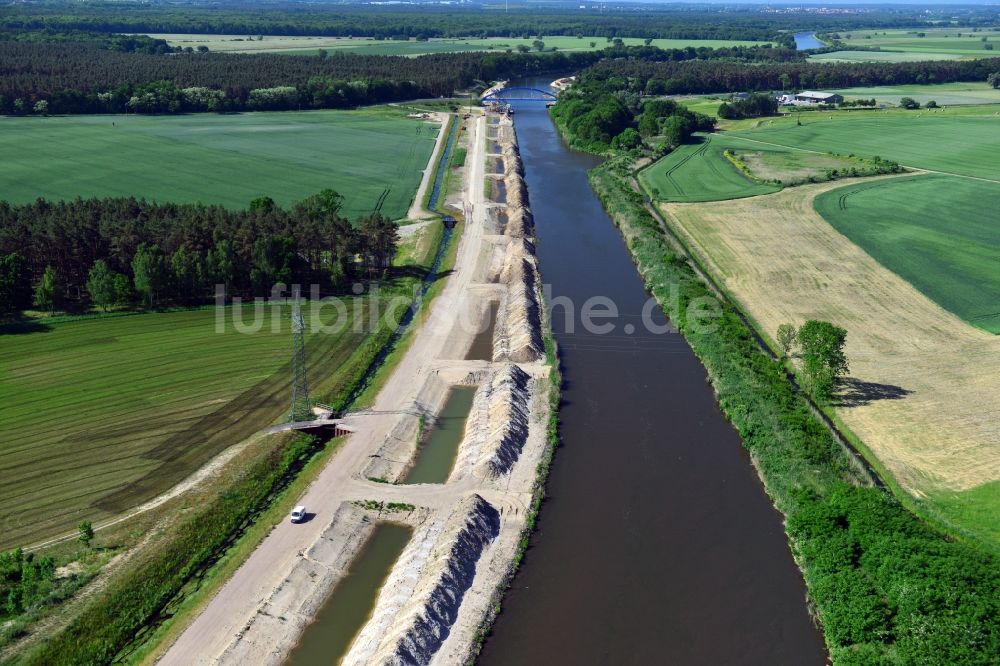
457,538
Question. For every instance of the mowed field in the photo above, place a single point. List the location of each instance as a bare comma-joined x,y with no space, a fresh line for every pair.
99,415
369,156
940,233
700,172
935,42
310,45
924,388
967,144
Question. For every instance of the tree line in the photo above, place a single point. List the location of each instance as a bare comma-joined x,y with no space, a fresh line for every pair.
754,106
59,76
388,22
81,78
109,41
430,21
712,76
117,251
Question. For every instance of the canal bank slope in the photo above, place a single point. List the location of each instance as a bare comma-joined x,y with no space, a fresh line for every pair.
467,530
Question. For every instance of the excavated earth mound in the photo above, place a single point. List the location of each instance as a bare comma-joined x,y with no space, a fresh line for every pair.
419,602
517,193
520,223
518,333
508,407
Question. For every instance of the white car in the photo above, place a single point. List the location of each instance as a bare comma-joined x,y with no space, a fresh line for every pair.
298,514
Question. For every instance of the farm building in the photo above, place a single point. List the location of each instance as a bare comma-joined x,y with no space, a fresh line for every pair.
811,97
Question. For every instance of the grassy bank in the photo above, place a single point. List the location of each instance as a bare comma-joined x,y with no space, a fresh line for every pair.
887,587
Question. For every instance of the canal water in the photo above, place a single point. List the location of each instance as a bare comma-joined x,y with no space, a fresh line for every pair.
807,40
482,345
326,640
437,453
656,543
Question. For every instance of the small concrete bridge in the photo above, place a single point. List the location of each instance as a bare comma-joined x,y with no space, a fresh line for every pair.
519,94
336,426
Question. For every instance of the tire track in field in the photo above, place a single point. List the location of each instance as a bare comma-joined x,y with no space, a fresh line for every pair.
669,173
842,199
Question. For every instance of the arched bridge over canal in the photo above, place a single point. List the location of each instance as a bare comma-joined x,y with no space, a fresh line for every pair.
519,94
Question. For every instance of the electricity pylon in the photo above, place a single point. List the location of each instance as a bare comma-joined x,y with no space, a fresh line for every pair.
301,405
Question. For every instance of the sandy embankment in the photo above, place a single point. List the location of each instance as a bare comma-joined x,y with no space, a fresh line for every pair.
443,585
563,83
467,530
421,599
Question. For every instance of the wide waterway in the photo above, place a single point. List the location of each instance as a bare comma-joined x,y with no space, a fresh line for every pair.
656,543
807,40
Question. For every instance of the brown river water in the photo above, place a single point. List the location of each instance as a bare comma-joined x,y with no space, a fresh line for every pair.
656,543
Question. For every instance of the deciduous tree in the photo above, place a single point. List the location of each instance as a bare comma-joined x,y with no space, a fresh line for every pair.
821,347
86,530
101,285
150,271
47,291
786,338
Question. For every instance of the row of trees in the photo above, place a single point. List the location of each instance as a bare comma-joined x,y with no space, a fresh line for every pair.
388,22
113,251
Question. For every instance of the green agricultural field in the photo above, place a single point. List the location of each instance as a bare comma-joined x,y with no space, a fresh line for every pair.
951,142
101,414
939,233
880,56
368,156
960,42
706,105
945,94
700,172
306,45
